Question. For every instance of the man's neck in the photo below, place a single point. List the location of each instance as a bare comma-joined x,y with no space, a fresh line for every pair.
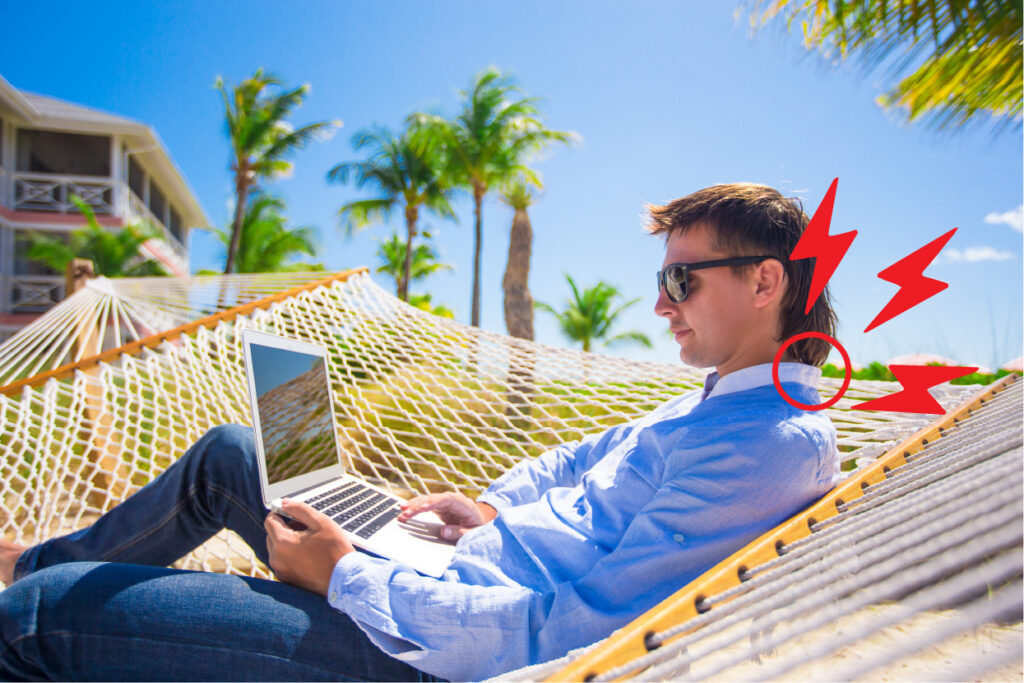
760,375
758,357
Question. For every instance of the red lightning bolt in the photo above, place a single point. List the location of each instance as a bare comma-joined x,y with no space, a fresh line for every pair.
915,380
827,250
914,286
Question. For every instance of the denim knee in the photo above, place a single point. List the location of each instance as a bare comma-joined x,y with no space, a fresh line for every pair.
17,608
27,605
226,451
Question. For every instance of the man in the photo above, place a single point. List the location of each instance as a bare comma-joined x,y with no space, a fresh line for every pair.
557,553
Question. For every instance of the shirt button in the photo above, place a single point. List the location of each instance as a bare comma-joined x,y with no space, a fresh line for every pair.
678,538
334,596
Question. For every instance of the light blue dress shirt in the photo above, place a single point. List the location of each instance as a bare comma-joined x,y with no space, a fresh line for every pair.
593,533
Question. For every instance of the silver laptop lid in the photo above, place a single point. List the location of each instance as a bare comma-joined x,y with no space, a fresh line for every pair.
290,395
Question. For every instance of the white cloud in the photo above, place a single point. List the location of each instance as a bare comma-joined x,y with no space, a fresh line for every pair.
1014,218
972,254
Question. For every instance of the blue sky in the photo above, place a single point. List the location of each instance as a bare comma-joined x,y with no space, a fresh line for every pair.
668,97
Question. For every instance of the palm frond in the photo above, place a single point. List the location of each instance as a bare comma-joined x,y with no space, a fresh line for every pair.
364,212
587,316
631,337
956,61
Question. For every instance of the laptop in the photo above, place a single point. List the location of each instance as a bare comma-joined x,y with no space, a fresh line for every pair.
300,458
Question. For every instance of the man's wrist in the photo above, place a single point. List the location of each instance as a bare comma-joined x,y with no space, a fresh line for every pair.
487,511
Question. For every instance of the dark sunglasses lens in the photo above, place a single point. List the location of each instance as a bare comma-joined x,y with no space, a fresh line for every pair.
675,283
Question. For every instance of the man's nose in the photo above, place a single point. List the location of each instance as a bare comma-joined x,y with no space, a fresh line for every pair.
664,306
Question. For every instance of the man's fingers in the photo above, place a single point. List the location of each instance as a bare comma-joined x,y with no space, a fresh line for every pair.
413,507
453,532
302,513
274,524
455,505
276,530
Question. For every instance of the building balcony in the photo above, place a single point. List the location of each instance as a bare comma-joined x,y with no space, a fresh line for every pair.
30,293
49,193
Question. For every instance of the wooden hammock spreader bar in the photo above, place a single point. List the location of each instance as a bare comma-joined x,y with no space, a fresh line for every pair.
631,642
155,340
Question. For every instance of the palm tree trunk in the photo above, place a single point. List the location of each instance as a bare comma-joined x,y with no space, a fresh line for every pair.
411,214
478,200
519,318
241,197
518,301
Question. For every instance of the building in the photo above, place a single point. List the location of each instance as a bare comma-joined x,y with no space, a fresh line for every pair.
51,150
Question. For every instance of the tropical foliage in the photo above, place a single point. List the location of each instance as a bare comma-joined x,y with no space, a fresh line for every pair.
255,113
490,140
114,253
393,258
879,372
424,303
405,171
519,195
957,59
588,316
266,244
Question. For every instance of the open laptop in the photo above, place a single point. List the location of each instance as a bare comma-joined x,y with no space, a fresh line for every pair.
299,455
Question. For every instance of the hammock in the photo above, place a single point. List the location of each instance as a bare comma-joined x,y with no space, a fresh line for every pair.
912,568
422,403
107,314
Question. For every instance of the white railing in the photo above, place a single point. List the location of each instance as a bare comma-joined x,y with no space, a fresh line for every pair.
52,193
137,212
47,192
31,293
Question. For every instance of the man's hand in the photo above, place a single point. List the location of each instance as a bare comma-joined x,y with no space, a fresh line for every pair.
458,512
305,558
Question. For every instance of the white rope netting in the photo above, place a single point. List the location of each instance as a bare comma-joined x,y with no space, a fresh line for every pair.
421,403
106,314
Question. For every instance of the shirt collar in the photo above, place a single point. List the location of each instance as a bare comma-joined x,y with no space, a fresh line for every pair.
759,375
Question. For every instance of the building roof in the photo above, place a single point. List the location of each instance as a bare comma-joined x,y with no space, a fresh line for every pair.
49,113
51,107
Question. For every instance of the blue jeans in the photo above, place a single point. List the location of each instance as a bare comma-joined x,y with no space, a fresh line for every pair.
100,604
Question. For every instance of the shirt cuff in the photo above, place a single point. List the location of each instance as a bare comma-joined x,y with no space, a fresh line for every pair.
495,500
348,564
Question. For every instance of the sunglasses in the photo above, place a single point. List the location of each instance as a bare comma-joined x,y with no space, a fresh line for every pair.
675,277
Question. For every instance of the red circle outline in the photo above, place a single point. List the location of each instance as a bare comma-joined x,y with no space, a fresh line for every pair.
847,370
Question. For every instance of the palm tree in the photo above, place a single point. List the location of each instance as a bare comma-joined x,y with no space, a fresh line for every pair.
405,171
589,317
488,142
518,303
113,253
963,58
424,303
265,242
394,261
261,138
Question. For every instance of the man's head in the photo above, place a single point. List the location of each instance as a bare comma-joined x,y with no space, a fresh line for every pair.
736,316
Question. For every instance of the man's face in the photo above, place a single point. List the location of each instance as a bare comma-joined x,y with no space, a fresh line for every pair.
718,324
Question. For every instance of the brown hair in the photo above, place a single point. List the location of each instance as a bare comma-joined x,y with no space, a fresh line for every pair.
747,220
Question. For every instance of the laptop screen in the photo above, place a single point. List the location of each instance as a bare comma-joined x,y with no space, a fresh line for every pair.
294,404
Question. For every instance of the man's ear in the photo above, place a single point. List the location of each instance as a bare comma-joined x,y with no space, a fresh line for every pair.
769,282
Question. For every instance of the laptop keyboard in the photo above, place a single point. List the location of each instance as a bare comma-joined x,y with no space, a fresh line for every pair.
357,508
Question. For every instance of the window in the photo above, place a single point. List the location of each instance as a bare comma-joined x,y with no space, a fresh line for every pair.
43,151
175,225
136,178
157,203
